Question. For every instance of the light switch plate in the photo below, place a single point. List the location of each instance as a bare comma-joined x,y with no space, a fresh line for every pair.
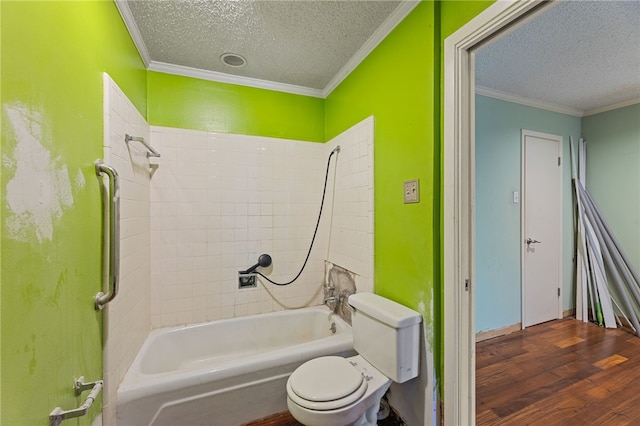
412,191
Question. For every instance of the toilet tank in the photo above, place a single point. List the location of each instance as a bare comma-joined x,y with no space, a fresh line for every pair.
387,335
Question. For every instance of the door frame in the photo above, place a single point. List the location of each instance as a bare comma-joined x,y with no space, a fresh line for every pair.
458,200
523,247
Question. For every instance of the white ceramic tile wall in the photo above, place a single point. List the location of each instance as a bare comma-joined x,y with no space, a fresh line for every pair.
218,201
351,244
127,317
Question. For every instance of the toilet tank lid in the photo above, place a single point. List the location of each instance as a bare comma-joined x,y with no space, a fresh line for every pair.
387,311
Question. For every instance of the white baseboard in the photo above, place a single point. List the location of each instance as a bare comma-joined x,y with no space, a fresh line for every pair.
484,335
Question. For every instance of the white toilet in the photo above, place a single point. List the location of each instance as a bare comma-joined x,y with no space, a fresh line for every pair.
336,391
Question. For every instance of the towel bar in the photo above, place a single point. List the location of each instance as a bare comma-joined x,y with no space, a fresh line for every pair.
150,151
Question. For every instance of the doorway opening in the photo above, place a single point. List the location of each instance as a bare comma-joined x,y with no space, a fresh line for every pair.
459,209
462,54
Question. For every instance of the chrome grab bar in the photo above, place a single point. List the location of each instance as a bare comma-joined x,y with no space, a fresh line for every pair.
101,298
58,414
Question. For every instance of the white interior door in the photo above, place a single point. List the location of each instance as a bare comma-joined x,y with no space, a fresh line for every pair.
542,227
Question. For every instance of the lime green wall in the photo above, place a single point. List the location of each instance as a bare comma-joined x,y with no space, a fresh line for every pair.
400,83
53,56
1,199
190,103
454,14
395,84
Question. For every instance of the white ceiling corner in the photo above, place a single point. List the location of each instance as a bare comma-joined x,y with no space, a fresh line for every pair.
610,107
233,79
134,31
535,103
383,31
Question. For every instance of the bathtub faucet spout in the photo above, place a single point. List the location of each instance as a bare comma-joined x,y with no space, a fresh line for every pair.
336,300
330,299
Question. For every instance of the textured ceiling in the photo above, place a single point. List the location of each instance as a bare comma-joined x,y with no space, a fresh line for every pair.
301,43
583,55
580,55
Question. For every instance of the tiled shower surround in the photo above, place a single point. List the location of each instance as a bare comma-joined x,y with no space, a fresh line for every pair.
191,219
218,201
127,317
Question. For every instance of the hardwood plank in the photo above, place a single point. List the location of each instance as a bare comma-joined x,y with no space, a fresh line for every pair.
278,419
610,361
569,341
563,372
488,417
286,419
626,412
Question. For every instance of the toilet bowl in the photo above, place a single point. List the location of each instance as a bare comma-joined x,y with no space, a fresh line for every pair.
336,391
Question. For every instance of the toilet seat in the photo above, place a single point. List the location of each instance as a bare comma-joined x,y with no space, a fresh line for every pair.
326,383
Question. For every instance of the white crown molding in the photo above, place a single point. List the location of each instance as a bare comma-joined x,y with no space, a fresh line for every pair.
134,31
372,42
612,106
233,79
497,94
401,12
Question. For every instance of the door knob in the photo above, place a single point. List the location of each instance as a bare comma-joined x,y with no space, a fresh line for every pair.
530,241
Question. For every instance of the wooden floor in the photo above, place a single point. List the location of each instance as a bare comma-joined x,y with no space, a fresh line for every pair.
286,419
563,372
280,419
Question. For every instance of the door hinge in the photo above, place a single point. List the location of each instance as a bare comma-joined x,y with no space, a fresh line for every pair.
467,284
559,161
558,291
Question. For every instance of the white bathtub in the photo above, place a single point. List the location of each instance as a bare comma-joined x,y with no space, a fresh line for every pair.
225,372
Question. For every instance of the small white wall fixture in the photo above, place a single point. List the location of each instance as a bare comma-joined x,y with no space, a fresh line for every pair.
459,244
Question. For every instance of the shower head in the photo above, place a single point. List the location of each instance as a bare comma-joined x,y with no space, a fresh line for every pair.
336,150
263,261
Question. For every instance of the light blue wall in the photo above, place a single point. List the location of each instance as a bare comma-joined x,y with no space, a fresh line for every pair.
498,163
613,172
